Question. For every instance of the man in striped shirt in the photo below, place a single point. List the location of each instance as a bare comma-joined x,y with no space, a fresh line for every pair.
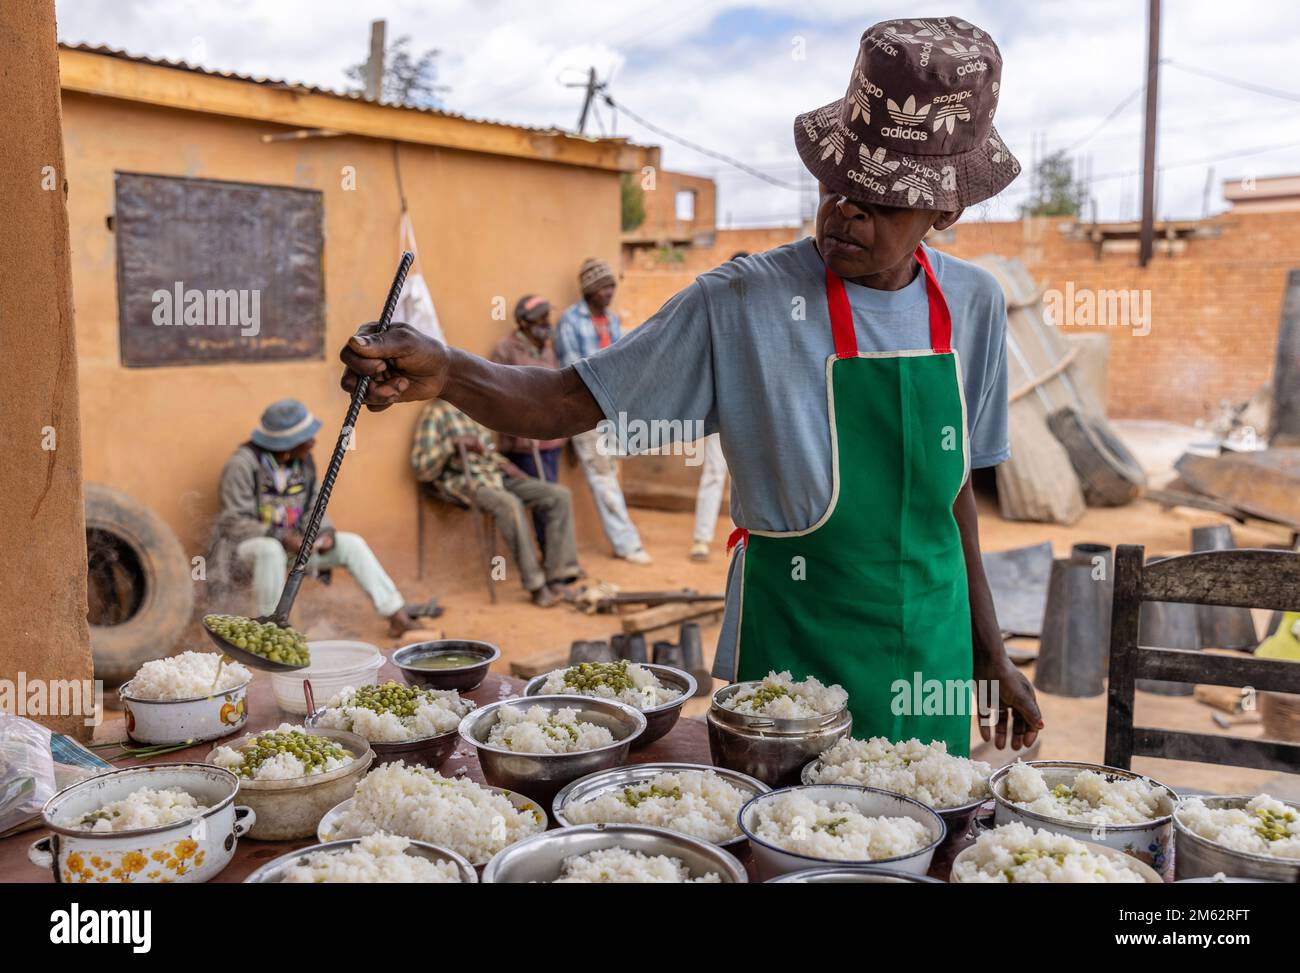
502,489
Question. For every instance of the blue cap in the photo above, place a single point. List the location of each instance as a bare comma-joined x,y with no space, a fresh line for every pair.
285,425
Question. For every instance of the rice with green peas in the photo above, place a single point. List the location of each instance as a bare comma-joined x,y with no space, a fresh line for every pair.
456,813
143,808
926,772
375,858
395,713
835,830
1090,798
1265,826
619,865
624,681
778,695
693,802
284,753
1016,853
539,730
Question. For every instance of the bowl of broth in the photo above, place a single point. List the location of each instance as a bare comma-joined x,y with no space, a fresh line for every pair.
460,664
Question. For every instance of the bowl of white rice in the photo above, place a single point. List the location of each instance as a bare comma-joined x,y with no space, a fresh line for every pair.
1242,836
376,858
614,854
174,822
289,796
861,875
1091,802
539,744
811,826
691,799
1019,854
187,698
772,727
659,692
952,785
409,723
474,820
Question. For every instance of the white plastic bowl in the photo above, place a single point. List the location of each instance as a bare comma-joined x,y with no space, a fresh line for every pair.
335,664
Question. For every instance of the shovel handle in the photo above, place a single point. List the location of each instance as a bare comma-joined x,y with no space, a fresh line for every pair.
340,447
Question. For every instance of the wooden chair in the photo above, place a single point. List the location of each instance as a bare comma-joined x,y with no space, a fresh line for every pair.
1242,578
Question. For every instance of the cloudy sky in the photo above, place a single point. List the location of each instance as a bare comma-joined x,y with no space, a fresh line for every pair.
726,74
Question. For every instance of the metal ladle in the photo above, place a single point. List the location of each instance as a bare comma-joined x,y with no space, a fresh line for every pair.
280,617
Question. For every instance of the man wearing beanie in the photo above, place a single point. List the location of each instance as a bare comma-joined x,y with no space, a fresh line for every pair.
586,327
532,343
855,378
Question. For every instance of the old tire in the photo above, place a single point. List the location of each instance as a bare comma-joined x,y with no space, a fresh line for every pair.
156,593
1107,471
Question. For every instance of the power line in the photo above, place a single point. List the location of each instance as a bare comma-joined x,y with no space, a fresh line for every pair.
1206,160
695,147
1258,89
1124,103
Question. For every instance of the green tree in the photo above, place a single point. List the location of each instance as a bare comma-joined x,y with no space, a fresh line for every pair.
633,202
1058,192
408,80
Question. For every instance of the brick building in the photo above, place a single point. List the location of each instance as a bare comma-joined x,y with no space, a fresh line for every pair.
1214,292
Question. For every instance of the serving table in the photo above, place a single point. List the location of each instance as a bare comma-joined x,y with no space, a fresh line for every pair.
687,742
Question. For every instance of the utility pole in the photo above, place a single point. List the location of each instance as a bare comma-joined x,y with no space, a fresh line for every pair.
586,102
1149,142
375,66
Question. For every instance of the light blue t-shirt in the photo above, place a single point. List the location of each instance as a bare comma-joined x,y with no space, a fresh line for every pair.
743,350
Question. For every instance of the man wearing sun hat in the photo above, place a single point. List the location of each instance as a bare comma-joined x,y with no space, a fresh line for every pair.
855,379
267,490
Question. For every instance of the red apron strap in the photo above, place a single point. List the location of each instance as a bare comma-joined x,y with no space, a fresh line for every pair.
738,536
940,319
846,339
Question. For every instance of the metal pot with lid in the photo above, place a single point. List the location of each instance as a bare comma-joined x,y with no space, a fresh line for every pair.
770,749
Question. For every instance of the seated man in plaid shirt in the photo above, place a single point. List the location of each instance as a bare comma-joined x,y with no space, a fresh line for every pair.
502,489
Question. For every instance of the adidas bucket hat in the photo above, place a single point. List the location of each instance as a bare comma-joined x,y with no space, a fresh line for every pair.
915,128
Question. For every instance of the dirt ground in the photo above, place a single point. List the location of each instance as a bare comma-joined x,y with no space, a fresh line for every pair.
1075,727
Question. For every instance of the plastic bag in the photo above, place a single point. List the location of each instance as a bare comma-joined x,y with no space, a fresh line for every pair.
26,771
415,305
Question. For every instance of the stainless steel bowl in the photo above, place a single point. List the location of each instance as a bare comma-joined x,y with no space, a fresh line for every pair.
426,752
846,876
1197,857
540,858
273,871
329,829
1119,858
541,775
958,819
1147,841
462,678
774,751
659,719
772,860
291,808
613,781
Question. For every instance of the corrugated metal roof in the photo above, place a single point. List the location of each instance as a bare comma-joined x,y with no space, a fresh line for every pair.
309,89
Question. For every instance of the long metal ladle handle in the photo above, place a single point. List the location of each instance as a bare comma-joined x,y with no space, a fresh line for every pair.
294,581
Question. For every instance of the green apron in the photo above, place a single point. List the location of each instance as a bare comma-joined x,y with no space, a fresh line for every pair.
873,596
